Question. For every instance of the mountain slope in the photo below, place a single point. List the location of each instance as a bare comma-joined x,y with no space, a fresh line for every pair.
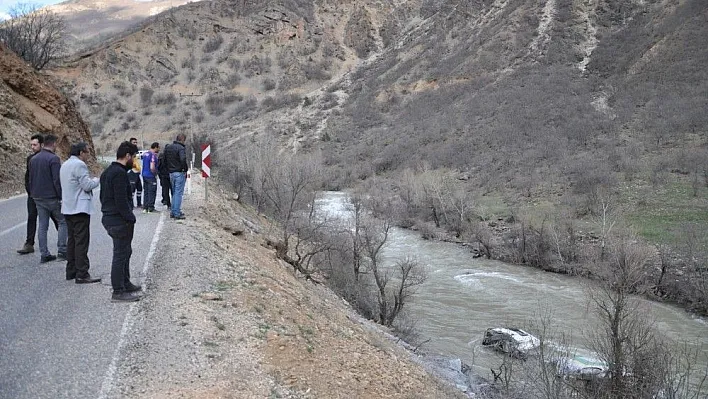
539,103
90,22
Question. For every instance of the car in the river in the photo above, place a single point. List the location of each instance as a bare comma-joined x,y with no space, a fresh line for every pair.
513,341
580,367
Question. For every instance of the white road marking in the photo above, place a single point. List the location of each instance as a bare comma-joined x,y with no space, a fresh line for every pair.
12,198
109,379
13,228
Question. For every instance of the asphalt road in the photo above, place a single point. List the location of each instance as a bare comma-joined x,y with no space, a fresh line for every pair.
59,339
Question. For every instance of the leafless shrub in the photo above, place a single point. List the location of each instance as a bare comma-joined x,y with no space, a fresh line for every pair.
213,44
256,66
191,75
245,108
268,84
234,64
316,71
188,31
329,100
146,93
199,117
233,80
165,99
189,62
35,34
272,103
230,98
215,104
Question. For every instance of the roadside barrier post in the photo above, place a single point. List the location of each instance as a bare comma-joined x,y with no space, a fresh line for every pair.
206,168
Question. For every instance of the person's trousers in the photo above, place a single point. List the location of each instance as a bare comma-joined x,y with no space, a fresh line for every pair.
32,221
150,186
46,209
122,236
136,185
166,190
79,236
178,180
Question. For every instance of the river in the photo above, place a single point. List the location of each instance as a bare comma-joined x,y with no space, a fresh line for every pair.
463,296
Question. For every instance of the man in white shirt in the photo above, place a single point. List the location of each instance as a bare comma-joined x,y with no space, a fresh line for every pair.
77,194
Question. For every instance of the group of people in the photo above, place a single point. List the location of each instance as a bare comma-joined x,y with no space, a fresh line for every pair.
63,193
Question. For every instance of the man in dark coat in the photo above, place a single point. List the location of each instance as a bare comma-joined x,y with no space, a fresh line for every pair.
119,220
176,160
36,145
164,176
45,189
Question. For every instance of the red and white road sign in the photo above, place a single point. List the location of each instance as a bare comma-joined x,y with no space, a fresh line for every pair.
206,160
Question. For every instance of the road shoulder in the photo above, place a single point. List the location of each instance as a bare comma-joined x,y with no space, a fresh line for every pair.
222,317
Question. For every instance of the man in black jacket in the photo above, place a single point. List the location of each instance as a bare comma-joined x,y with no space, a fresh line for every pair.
119,221
36,145
176,160
164,175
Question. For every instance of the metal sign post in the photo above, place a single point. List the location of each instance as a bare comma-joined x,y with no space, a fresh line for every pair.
206,168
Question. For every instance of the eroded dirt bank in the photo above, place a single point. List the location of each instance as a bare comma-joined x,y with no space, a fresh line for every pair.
223,318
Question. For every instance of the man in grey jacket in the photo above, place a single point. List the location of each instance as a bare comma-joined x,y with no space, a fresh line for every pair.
45,189
77,194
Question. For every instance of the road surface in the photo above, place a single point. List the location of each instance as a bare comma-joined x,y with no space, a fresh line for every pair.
59,339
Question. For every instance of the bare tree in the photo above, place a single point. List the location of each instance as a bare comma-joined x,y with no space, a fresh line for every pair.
35,34
625,339
393,284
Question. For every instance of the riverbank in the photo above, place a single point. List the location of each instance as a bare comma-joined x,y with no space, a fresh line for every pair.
223,317
666,278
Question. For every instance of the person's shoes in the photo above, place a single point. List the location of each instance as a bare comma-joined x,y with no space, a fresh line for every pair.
124,297
178,217
26,249
132,288
70,277
87,280
61,256
48,258
145,210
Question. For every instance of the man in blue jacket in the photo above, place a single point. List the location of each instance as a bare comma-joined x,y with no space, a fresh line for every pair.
119,220
149,173
45,189
77,205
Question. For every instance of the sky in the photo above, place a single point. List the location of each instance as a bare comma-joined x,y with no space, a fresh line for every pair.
6,5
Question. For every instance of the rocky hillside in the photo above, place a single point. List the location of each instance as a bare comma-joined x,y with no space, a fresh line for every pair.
203,66
30,103
92,22
532,103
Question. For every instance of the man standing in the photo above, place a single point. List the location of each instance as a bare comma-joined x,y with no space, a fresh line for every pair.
164,175
45,189
119,221
76,206
36,146
150,177
176,159
136,186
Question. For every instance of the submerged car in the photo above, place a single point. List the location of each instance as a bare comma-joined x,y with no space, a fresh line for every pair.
513,341
581,367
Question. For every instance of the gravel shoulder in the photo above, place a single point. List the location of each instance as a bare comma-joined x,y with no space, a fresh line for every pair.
223,318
